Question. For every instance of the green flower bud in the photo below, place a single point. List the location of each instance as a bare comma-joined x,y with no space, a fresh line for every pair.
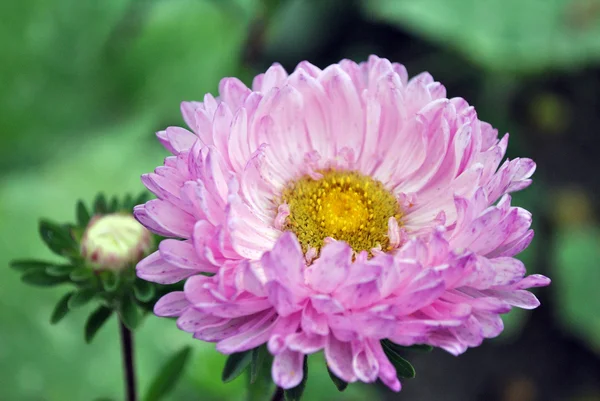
114,241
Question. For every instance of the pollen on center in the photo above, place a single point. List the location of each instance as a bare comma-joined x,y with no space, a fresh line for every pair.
346,206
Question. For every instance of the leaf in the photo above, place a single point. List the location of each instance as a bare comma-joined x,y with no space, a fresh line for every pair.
339,383
110,280
61,309
128,202
143,290
295,394
27,265
259,356
57,238
575,282
234,366
540,35
168,375
260,381
100,204
59,270
83,215
81,297
113,206
80,274
41,278
142,198
166,30
95,322
420,348
403,368
128,312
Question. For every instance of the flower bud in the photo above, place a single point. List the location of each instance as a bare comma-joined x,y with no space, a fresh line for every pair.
114,241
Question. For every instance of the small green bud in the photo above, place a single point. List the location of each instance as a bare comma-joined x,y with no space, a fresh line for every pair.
114,241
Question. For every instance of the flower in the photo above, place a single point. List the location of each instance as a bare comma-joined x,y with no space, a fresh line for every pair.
114,241
331,209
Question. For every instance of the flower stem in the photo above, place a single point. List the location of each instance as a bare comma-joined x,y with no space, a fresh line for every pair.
278,396
128,366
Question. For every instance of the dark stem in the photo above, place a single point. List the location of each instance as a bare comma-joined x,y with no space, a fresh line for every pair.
128,367
278,396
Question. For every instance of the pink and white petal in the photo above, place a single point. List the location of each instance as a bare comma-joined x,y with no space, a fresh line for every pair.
306,343
387,372
534,280
508,270
285,262
275,77
172,304
519,298
156,269
192,320
339,359
331,269
314,322
167,217
229,328
233,92
287,369
182,254
257,333
364,363
141,214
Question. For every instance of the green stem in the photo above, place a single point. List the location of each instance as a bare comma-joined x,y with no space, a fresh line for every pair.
128,365
278,396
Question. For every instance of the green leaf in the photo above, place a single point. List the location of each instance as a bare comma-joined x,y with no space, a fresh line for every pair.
80,274
110,280
143,290
576,275
420,348
61,309
41,278
83,215
59,270
141,198
295,394
259,356
339,383
168,375
27,265
57,238
234,366
100,204
128,203
128,312
81,297
260,381
95,321
113,206
403,368
509,35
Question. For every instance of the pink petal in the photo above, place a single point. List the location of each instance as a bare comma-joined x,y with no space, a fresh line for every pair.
306,343
254,335
364,363
154,268
183,255
287,369
331,268
172,304
339,359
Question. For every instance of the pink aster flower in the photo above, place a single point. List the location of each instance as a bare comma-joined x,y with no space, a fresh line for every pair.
333,209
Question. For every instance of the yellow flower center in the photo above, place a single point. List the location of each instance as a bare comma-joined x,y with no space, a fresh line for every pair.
346,206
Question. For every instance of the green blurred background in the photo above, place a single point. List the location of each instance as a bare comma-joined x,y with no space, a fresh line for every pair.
85,84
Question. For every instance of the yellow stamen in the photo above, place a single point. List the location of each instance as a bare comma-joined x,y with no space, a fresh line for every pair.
346,206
